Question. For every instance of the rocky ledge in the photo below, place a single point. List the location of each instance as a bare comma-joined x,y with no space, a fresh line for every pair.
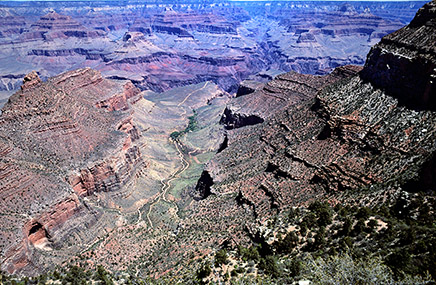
403,63
60,141
348,132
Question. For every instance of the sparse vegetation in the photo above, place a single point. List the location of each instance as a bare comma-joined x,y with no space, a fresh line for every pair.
342,245
337,245
192,126
221,257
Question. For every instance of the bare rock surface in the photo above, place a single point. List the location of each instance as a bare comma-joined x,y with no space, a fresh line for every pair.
59,144
322,137
160,46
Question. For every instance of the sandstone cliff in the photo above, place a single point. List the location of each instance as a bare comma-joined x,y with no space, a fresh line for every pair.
61,140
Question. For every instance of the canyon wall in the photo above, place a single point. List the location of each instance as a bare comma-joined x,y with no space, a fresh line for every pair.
300,138
166,46
61,141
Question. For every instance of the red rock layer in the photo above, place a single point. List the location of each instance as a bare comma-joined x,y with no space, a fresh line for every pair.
54,25
60,140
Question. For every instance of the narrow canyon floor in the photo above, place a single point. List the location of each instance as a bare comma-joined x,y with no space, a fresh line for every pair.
180,133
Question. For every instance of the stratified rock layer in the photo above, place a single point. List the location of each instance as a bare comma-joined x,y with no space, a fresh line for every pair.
327,136
403,63
60,140
161,46
71,153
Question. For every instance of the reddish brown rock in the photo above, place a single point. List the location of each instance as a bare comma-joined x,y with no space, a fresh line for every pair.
30,80
120,101
403,63
322,137
58,146
54,25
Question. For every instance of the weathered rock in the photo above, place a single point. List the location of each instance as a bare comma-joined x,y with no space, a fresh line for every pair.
403,63
53,25
326,136
59,143
192,43
30,80
70,153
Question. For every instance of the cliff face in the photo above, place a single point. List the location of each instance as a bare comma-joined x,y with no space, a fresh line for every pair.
54,25
403,63
61,140
325,136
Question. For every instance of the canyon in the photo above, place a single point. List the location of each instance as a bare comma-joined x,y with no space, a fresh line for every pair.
176,130
159,47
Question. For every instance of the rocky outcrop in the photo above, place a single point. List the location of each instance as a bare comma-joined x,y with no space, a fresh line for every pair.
140,25
10,24
53,44
403,63
202,189
120,101
247,87
278,94
182,23
30,80
53,25
61,140
333,134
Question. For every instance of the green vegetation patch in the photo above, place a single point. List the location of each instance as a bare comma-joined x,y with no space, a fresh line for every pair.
192,126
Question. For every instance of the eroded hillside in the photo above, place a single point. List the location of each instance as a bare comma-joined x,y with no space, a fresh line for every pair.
93,171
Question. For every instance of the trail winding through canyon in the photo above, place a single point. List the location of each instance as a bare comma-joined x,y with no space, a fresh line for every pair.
166,183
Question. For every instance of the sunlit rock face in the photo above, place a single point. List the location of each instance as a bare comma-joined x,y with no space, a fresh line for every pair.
162,47
354,129
61,140
91,165
403,63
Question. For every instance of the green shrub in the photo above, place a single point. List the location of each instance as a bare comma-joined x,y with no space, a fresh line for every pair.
363,213
247,254
346,227
221,257
344,270
294,267
204,271
175,135
359,227
371,226
269,266
287,244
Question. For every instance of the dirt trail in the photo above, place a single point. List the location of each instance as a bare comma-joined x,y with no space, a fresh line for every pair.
166,183
189,95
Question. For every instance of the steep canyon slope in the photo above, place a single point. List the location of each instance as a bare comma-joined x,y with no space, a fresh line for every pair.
85,159
95,171
301,136
159,47
62,140
356,137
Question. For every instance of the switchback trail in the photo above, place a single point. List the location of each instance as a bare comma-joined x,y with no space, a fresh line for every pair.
189,95
166,183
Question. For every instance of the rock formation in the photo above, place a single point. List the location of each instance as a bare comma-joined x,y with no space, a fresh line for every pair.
403,63
159,47
74,177
61,140
347,132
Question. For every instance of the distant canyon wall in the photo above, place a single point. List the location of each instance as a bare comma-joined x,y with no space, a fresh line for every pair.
159,47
